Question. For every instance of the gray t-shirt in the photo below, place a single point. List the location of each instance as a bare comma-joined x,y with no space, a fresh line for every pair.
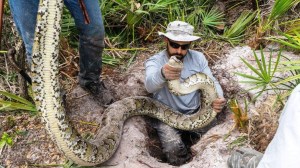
155,83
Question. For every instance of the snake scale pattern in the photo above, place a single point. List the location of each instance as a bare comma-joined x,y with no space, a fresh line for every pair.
45,85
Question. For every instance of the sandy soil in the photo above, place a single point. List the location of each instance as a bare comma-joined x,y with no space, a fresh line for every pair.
33,147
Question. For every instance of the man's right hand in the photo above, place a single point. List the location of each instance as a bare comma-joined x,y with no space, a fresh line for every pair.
170,73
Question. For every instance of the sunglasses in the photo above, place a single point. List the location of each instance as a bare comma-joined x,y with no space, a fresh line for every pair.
176,46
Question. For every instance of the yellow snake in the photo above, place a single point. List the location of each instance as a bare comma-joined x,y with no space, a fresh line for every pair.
45,85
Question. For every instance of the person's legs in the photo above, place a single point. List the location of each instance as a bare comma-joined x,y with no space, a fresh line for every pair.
203,130
91,39
192,137
173,147
90,48
24,14
282,150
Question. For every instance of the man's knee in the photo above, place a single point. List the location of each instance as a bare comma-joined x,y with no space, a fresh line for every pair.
176,152
93,36
172,144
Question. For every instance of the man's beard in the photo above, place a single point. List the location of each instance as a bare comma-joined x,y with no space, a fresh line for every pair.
178,56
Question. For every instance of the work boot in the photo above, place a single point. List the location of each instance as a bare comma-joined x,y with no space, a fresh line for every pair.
244,158
100,93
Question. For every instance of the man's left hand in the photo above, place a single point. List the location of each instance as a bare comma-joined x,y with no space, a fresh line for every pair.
218,104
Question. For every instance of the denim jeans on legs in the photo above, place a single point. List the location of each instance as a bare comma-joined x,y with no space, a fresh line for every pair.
24,15
91,35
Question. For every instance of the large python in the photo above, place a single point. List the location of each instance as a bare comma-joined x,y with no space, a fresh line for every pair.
45,85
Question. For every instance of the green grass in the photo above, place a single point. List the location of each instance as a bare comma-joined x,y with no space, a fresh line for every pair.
16,103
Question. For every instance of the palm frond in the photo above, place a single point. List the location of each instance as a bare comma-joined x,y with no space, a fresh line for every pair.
19,103
289,40
280,8
294,68
236,32
212,19
264,73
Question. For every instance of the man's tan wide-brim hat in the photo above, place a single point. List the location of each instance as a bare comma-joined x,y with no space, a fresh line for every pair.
180,31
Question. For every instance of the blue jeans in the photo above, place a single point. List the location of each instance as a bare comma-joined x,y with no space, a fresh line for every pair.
91,35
